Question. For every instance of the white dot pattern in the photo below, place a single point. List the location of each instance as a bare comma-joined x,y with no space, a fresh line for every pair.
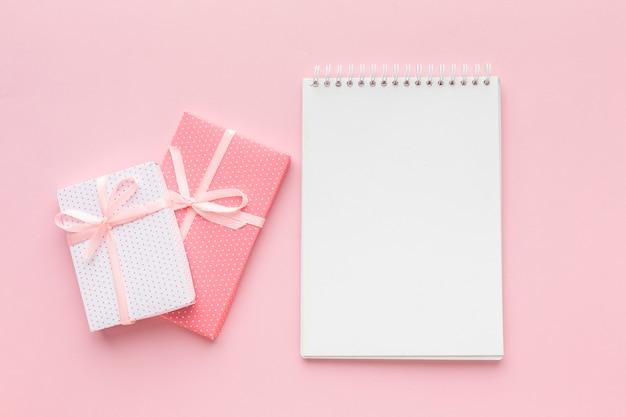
155,270
217,255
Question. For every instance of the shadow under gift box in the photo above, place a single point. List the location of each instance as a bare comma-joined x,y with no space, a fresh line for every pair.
212,158
127,270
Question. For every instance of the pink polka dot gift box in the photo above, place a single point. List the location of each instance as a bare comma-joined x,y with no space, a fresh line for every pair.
222,185
126,246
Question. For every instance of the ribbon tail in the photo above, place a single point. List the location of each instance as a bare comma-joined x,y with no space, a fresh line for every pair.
221,219
185,225
179,171
94,243
118,281
247,218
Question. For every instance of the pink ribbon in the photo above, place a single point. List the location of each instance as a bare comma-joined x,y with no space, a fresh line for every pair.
203,202
94,229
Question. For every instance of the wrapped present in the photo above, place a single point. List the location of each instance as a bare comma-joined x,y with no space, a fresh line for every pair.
222,185
126,246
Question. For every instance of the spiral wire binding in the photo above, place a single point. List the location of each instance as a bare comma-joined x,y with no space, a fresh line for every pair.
487,73
407,75
442,69
316,76
418,74
429,78
464,74
384,76
452,74
465,77
350,69
476,74
361,75
327,80
395,75
338,78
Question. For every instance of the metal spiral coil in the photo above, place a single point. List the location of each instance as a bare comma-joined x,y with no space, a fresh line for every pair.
410,73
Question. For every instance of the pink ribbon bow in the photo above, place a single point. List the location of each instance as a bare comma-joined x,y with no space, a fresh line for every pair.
87,227
203,202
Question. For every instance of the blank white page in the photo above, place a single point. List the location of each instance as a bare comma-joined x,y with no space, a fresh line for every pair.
401,221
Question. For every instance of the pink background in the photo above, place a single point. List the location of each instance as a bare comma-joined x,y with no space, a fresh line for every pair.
87,88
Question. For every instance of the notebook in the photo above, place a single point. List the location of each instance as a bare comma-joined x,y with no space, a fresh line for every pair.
401,213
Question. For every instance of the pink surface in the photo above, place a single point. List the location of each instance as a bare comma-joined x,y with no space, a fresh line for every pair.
218,254
87,88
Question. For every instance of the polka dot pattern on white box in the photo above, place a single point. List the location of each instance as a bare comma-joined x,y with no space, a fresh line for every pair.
152,257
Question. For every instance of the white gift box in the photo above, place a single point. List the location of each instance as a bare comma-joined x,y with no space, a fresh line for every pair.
127,268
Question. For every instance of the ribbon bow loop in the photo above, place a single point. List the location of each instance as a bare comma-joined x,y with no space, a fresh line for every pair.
82,226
